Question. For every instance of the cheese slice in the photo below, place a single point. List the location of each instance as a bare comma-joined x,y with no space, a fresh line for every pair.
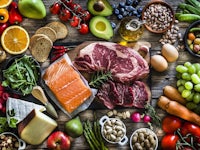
36,127
21,108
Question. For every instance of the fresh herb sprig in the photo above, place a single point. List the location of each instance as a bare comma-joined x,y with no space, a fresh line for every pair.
99,78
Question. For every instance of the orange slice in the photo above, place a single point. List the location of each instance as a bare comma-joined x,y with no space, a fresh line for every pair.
4,3
15,39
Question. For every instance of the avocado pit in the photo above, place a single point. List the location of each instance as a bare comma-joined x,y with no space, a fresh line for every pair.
99,6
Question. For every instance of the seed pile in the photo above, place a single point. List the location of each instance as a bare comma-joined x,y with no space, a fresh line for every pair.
114,130
8,142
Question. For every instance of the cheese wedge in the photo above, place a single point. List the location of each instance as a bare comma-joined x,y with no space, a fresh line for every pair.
21,108
36,127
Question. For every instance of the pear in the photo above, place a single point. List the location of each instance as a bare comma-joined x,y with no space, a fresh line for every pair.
33,9
74,127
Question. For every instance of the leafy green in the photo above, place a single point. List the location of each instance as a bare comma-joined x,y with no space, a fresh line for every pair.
3,124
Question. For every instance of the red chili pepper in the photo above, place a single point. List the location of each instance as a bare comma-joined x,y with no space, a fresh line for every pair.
14,15
3,26
55,57
58,47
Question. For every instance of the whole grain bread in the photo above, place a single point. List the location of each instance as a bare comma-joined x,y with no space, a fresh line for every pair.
51,33
60,28
40,48
34,38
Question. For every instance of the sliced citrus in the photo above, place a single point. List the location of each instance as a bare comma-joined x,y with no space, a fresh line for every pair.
15,39
4,3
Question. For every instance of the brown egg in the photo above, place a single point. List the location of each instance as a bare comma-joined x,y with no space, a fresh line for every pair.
159,63
169,52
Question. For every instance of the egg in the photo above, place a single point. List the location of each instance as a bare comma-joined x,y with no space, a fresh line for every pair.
159,63
169,52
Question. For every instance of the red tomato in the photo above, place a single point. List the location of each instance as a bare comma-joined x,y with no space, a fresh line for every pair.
169,141
75,21
64,15
86,15
190,128
67,2
171,123
84,28
76,8
55,8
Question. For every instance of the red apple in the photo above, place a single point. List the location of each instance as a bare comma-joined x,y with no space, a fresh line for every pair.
58,140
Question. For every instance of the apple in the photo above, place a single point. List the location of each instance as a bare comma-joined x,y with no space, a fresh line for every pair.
58,140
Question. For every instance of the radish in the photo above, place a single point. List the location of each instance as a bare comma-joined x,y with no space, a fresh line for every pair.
136,117
147,119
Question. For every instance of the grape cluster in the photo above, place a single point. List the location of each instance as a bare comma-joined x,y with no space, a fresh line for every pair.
188,83
127,8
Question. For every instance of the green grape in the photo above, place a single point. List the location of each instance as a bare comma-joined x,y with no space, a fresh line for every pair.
181,69
188,85
186,76
196,98
195,78
198,73
190,97
191,69
181,88
178,75
197,87
186,93
191,105
183,82
178,83
197,66
187,64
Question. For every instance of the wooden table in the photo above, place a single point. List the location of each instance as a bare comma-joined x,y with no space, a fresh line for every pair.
158,80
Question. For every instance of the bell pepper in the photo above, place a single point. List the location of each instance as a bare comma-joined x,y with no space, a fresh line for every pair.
3,26
14,15
4,15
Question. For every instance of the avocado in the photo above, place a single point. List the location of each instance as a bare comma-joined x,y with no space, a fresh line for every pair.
99,7
101,27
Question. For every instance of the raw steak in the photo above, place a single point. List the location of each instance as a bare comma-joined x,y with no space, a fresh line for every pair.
124,63
112,94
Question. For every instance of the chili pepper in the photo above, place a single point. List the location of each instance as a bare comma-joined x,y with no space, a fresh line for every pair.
3,26
14,15
4,15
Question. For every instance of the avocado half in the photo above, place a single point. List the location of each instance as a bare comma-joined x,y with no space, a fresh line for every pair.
101,27
99,7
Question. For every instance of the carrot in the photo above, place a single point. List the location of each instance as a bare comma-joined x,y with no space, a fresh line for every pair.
173,94
176,109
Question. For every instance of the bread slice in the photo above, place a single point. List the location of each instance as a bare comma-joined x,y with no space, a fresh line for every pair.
36,127
34,38
40,48
51,33
60,28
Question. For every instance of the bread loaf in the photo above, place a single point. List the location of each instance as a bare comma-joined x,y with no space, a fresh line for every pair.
36,127
51,33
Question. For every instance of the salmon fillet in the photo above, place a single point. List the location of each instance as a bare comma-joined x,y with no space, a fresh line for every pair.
66,85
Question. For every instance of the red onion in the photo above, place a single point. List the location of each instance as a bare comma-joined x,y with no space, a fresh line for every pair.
146,118
135,117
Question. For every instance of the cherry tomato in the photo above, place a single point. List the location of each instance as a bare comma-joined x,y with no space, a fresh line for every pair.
67,2
169,141
64,15
85,15
84,28
190,128
75,21
76,7
171,123
55,8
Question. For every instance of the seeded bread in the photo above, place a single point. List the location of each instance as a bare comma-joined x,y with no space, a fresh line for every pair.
51,33
60,28
40,48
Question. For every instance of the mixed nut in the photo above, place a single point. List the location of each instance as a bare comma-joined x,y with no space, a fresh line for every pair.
8,142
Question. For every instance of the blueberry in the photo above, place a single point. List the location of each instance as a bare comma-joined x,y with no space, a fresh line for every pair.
114,6
121,10
130,14
119,16
121,4
129,8
125,13
116,11
135,13
139,10
129,2
135,2
113,25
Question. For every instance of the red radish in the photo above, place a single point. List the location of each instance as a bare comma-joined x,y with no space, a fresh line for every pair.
146,118
135,117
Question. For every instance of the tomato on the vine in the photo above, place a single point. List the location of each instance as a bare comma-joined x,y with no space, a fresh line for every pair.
55,8
85,15
76,7
67,2
190,128
75,21
84,28
171,123
65,14
169,141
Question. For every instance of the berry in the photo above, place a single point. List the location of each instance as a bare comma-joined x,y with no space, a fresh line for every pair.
129,2
116,11
113,25
119,16
121,4
139,10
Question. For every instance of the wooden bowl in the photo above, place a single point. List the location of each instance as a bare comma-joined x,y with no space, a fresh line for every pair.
150,26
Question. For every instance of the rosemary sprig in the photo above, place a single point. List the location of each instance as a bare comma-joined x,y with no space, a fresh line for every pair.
99,78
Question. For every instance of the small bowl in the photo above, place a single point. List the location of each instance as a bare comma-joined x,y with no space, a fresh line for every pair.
22,144
146,131
185,37
113,130
158,2
8,63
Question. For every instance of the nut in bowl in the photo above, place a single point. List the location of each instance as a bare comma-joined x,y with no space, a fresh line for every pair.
143,138
11,141
192,39
159,16
113,130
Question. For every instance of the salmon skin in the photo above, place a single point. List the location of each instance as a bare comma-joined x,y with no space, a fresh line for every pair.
66,84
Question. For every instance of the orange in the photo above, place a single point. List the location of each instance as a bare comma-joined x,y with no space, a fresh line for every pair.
15,39
4,3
